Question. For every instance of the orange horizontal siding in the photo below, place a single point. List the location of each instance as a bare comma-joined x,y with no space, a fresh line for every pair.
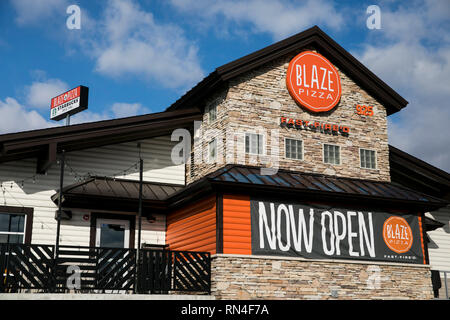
236,225
193,227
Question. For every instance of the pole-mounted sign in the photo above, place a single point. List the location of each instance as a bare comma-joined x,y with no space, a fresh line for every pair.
69,103
63,106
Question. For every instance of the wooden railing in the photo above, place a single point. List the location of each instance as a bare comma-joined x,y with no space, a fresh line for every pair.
33,268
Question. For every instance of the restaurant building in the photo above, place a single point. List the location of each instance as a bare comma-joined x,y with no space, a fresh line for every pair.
276,167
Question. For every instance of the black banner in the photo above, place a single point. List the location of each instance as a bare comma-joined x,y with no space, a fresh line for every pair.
321,232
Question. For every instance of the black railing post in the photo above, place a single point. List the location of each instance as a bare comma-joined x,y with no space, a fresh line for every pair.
209,272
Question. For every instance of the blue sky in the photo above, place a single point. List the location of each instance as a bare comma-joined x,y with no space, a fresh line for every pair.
140,56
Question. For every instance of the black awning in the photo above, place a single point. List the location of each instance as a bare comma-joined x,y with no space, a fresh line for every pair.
116,194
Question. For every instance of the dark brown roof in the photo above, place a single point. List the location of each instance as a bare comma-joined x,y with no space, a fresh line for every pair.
46,143
410,171
313,36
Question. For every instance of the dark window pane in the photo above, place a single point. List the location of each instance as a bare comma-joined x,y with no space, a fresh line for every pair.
12,222
11,238
112,236
247,143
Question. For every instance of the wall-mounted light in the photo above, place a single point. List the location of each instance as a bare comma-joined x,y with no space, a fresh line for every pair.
151,219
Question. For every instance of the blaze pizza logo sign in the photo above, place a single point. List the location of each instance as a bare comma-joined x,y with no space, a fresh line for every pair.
313,82
397,234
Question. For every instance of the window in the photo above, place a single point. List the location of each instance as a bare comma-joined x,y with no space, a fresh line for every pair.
112,230
254,143
331,154
368,159
212,113
293,149
12,227
212,150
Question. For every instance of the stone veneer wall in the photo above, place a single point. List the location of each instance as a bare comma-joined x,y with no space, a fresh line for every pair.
259,98
250,277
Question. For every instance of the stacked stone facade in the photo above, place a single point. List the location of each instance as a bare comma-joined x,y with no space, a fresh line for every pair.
252,277
255,101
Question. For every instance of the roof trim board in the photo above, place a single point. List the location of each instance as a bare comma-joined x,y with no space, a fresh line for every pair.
330,49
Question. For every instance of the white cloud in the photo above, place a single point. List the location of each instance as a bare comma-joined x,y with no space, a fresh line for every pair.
38,11
412,54
14,117
39,93
122,110
125,40
276,17
132,42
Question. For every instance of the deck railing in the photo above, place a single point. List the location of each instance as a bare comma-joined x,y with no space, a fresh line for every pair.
33,268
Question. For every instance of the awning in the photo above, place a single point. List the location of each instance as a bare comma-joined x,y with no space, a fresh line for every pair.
122,195
116,194
312,187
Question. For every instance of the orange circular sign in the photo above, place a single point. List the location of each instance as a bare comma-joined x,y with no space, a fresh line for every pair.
397,234
313,82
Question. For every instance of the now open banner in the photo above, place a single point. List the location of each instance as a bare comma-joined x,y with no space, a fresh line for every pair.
320,232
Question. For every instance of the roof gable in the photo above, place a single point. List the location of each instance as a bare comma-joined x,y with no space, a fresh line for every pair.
313,36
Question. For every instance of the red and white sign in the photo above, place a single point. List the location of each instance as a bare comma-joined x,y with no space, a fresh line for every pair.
313,82
67,103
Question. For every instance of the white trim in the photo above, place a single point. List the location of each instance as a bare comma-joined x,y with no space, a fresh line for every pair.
393,264
376,158
323,153
126,223
303,149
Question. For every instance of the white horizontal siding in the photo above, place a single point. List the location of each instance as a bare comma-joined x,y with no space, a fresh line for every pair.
114,159
439,247
103,161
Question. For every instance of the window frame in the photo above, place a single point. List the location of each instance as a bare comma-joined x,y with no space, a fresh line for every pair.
376,159
28,223
212,159
210,108
323,154
302,150
263,144
94,216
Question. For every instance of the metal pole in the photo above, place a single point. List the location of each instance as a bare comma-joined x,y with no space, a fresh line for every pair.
61,183
59,214
141,169
446,286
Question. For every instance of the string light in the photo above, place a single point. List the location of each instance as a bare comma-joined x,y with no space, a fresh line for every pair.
78,177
